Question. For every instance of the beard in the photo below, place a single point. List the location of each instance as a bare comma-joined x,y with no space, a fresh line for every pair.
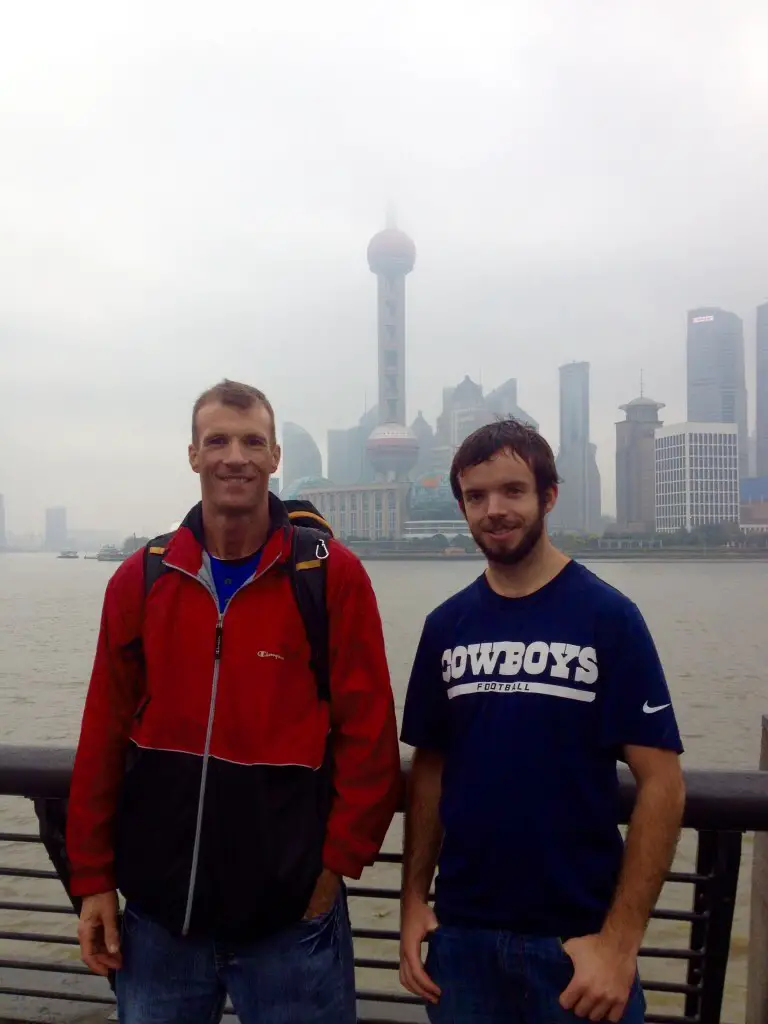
502,554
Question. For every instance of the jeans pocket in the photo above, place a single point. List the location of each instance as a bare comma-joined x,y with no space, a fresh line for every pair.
563,958
319,920
130,921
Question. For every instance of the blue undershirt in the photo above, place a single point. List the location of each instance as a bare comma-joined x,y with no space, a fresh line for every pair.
230,574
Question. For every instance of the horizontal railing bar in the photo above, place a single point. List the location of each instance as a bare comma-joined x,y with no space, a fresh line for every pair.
379,965
678,988
689,877
27,873
377,997
40,908
385,934
675,987
671,953
373,963
663,1018
390,997
110,1001
70,997
19,837
662,914
379,893
74,997
372,892
51,966
56,940
723,800
384,965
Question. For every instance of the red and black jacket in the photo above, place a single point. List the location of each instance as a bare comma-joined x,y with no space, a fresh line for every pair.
211,785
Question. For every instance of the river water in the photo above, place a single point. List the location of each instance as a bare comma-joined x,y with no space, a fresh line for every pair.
708,619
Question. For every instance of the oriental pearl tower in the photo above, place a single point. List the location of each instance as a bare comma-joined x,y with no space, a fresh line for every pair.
392,448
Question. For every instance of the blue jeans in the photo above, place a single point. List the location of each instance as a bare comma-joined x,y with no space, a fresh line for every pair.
495,977
302,975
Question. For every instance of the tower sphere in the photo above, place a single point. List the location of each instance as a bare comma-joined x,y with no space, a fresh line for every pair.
392,449
391,252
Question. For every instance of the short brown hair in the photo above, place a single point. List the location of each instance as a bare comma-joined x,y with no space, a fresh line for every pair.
506,435
239,396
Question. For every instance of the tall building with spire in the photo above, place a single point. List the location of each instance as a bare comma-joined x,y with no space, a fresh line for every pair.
636,464
392,448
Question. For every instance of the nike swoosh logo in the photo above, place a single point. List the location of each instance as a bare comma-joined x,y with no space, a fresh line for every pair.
650,711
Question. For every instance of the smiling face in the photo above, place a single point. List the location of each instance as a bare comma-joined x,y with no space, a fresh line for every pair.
503,508
235,453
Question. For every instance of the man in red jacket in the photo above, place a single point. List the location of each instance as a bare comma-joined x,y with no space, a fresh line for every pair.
212,786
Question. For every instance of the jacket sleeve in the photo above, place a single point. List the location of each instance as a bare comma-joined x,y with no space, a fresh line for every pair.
366,753
113,695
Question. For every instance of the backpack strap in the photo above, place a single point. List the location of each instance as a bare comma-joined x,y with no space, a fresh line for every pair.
153,561
307,569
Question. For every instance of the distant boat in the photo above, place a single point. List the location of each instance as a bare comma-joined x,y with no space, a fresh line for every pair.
109,553
68,554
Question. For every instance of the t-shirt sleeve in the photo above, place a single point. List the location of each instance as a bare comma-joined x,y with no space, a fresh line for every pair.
636,702
425,715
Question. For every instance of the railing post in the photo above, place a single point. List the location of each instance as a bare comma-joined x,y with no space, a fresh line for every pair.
757,969
718,859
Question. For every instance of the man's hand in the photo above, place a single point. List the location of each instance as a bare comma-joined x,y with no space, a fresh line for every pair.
603,977
417,921
324,894
98,935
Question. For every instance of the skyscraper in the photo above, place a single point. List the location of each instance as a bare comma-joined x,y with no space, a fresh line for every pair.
392,448
347,463
3,534
56,538
761,390
697,479
717,391
300,455
579,503
635,465
502,401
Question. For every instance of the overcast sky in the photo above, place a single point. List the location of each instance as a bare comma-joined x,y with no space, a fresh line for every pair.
187,191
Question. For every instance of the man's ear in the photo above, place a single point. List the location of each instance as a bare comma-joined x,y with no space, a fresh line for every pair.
550,499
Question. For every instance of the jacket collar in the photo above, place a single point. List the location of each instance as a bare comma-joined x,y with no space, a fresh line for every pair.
186,547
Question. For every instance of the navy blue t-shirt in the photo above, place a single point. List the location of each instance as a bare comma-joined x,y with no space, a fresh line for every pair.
531,701
230,574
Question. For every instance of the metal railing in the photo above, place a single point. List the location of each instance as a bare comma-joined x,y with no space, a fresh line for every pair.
720,807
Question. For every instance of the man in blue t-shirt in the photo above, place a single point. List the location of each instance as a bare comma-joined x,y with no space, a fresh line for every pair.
526,689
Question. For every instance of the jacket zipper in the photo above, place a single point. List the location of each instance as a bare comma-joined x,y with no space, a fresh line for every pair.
209,730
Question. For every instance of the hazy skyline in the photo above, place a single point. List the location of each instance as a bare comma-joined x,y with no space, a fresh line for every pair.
187,194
